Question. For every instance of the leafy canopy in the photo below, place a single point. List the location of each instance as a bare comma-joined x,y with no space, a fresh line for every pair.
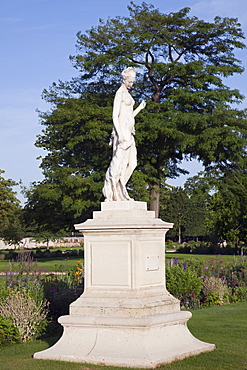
10,211
181,63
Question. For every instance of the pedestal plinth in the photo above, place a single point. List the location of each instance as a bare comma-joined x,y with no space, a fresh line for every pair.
125,317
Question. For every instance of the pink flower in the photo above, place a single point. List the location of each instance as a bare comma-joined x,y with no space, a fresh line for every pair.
193,295
206,267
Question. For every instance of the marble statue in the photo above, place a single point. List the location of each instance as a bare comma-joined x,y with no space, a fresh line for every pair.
124,158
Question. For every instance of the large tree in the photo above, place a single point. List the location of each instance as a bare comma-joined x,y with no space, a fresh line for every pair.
199,188
187,209
181,65
76,137
229,204
177,208
10,211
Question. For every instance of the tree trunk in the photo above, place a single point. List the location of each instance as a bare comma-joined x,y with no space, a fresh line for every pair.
179,234
179,228
155,200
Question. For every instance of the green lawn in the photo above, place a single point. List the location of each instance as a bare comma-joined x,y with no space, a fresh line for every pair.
201,257
64,264
49,264
225,326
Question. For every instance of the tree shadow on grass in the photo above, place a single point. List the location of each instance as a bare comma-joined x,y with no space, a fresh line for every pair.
52,340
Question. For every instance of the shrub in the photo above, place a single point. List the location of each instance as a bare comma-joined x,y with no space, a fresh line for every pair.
28,317
238,270
9,334
4,292
24,274
196,247
214,290
172,245
212,299
77,273
2,256
238,294
60,291
184,284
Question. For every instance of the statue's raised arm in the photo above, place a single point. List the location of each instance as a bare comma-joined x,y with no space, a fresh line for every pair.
124,158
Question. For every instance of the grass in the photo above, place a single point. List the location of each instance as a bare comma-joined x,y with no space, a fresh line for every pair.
52,264
225,326
55,264
202,257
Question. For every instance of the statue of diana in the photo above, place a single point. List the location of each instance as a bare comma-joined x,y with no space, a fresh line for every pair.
124,158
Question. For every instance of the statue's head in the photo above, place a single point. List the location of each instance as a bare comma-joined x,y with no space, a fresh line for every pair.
129,76
129,72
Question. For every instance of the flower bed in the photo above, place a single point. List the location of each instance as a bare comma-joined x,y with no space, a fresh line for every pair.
206,283
34,300
196,282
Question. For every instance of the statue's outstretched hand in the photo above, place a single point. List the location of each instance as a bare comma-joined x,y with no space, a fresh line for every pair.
143,104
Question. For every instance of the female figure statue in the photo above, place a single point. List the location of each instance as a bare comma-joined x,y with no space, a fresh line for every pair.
124,158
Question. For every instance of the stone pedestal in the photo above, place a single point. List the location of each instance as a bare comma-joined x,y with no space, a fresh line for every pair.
125,317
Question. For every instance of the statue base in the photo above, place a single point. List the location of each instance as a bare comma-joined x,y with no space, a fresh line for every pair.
125,317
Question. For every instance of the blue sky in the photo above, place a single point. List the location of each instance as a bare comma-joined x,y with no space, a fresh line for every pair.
36,39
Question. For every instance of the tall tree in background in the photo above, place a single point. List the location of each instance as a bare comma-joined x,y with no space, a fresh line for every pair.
181,62
76,138
199,188
228,206
187,208
10,212
177,209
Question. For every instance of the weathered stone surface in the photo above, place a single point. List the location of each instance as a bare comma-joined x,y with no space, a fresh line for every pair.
125,317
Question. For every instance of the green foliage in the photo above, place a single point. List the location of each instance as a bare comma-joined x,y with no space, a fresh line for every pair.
214,290
221,281
77,137
34,299
10,212
184,284
238,294
77,272
23,275
211,206
23,299
187,213
212,299
4,291
28,316
60,291
181,62
171,245
176,208
9,334
228,205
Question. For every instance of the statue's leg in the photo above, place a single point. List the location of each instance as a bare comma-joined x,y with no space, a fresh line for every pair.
107,189
113,189
126,170
131,162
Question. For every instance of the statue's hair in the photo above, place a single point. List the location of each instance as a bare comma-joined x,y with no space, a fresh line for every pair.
128,72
